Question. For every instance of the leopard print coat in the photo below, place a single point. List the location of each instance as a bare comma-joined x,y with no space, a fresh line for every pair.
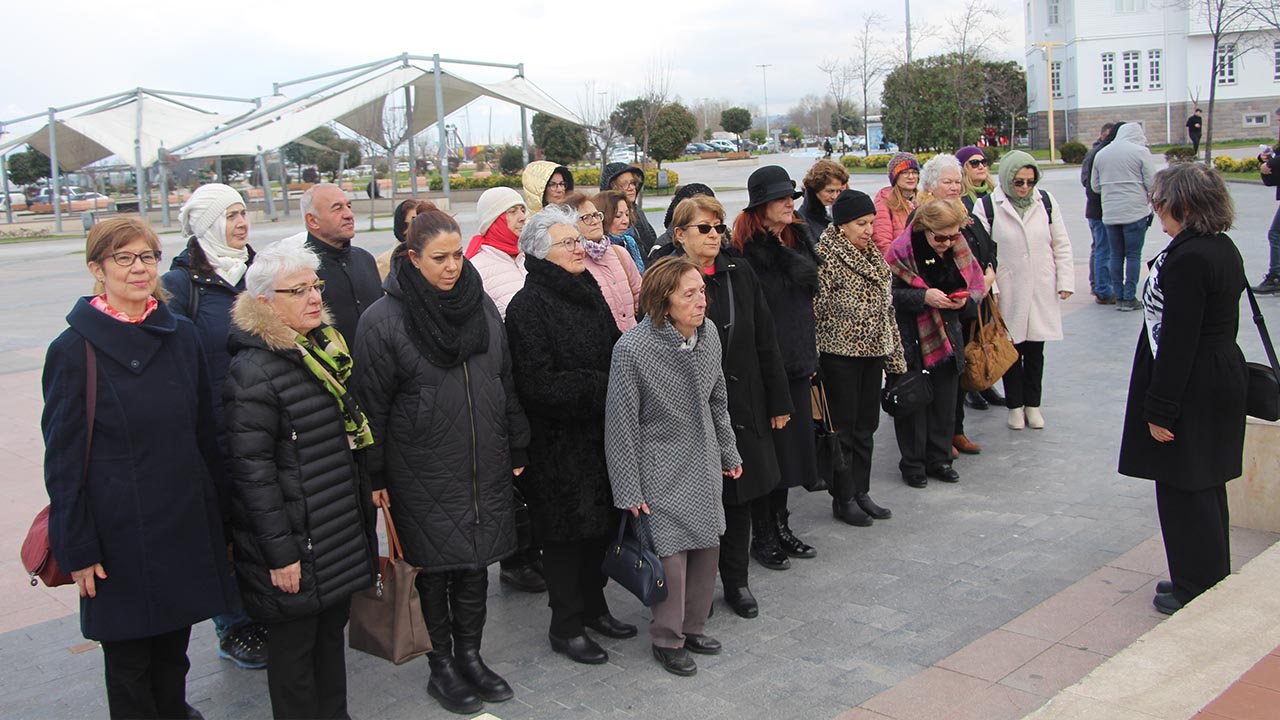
854,308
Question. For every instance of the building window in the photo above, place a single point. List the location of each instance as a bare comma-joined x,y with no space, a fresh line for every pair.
1227,64
1055,78
1154,78
1124,7
1053,6
1276,60
1108,72
1257,120
1132,70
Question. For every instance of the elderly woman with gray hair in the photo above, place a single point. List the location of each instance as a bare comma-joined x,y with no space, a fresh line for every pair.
302,520
562,334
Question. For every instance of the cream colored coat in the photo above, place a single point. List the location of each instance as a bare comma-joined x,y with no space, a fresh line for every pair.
502,274
1035,264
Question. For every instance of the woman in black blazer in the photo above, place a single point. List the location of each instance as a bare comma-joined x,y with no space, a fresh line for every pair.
1184,424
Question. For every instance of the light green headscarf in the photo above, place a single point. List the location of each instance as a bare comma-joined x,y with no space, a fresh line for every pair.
1010,163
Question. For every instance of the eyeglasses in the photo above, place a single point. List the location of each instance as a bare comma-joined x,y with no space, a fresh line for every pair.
940,238
591,218
628,184
127,259
706,228
978,162
567,244
910,172
557,185
1023,183
298,292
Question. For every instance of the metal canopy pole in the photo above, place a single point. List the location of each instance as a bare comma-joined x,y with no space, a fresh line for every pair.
444,152
4,171
524,123
164,188
142,187
266,184
284,186
413,163
53,172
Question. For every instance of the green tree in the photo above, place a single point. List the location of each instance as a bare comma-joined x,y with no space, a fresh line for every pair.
628,118
758,136
736,120
511,160
27,167
561,142
918,106
326,158
795,132
674,128
1006,96
707,133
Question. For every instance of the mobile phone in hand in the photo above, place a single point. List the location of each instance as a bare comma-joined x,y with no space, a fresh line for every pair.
958,295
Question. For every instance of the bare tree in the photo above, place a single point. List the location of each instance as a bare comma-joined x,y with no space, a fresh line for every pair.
869,64
1233,26
1266,12
594,107
840,83
654,96
970,36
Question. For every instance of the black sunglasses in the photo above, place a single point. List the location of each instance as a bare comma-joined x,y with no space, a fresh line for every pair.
978,162
706,228
1023,183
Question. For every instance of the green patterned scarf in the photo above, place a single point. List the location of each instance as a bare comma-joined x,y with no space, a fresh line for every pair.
331,364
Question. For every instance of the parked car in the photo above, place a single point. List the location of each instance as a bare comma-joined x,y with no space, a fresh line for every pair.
723,146
402,167
16,199
626,156
701,148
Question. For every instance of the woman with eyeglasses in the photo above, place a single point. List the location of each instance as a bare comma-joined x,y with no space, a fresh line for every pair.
895,203
612,267
759,395
302,520
617,225
562,335
134,474
976,176
629,180
435,379
545,183
1035,275
935,278
494,250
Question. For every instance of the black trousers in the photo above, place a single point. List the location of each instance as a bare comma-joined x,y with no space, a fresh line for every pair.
853,395
1195,143
1025,379
1196,528
575,584
307,664
924,437
453,604
147,677
735,543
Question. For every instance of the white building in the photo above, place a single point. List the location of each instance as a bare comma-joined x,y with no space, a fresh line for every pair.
1145,61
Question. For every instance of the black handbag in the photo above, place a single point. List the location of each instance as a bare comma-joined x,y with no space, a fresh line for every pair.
1263,401
906,393
632,562
831,459
523,523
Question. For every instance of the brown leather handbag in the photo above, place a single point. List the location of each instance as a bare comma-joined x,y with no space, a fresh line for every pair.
386,619
990,352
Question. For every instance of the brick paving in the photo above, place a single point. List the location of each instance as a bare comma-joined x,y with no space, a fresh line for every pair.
958,594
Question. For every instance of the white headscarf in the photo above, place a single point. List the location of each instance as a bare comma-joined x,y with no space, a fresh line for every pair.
204,217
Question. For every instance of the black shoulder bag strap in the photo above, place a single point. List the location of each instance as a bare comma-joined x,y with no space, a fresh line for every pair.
728,280
90,399
1262,331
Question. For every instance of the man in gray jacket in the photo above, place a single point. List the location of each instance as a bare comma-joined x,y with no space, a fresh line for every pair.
1122,174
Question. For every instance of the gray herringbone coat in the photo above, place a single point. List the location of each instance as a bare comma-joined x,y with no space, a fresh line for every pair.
668,435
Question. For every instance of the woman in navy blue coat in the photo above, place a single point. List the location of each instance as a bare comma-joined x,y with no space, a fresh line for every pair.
137,521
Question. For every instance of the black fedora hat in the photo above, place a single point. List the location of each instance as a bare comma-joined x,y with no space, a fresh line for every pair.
770,183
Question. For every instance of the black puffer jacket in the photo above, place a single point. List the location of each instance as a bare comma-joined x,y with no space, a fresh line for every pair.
299,491
562,334
790,281
447,439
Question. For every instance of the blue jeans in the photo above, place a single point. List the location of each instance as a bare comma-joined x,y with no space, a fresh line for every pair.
1273,237
233,619
1126,242
1100,259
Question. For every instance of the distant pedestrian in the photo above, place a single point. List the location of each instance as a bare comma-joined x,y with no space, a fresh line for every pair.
1195,124
1271,171
895,203
1100,248
1122,174
826,147
1184,424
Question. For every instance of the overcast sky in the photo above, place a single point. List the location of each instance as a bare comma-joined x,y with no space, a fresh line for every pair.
73,50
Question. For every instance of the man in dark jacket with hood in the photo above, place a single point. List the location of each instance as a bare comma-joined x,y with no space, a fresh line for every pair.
1099,250
350,274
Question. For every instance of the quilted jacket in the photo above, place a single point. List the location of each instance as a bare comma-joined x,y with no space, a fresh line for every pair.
446,439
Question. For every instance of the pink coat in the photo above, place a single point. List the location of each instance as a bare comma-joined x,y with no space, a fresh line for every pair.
888,224
619,282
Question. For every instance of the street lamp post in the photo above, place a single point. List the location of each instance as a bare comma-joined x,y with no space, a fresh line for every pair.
1048,47
764,75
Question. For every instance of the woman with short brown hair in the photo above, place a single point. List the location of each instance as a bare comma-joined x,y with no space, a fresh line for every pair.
822,184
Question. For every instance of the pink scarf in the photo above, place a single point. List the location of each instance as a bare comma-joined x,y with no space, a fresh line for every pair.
100,302
935,347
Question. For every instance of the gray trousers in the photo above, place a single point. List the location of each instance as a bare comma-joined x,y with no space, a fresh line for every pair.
691,579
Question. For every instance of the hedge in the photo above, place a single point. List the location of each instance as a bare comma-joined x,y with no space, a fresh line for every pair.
584,179
1180,153
1227,164
1074,152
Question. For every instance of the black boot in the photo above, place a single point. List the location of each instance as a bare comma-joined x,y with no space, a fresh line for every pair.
764,538
976,401
467,597
847,511
448,686
787,540
870,507
992,396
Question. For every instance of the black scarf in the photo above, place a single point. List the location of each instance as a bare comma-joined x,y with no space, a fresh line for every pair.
580,289
937,271
446,327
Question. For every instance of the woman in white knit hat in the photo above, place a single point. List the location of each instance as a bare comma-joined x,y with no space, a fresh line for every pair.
204,280
494,249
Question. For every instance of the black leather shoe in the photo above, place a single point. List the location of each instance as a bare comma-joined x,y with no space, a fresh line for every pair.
489,685
449,688
870,507
787,540
523,578
702,644
1166,603
976,401
768,553
1164,586
580,649
992,396
742,602
610,626
915,481
944,472
847,511
676,661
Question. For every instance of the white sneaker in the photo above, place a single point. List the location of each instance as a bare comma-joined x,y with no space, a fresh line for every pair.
1035,420
1017,419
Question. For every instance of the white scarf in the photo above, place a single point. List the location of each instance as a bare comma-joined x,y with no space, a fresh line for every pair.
230,263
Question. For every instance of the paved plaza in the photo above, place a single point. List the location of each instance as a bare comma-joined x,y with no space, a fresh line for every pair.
882,616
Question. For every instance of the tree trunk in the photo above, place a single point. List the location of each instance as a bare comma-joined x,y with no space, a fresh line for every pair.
1213,94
